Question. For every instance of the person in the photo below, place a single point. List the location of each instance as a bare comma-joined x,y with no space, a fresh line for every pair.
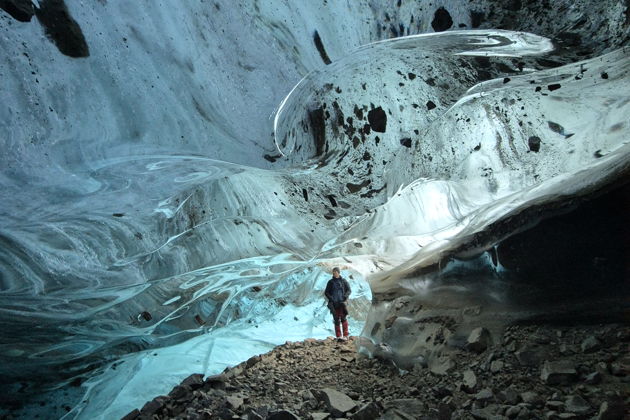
337,291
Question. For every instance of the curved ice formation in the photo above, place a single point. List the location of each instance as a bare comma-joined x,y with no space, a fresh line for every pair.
174,203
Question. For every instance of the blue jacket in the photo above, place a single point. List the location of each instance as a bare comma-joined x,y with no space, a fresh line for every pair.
345,287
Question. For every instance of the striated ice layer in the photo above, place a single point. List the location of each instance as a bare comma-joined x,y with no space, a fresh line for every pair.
174,202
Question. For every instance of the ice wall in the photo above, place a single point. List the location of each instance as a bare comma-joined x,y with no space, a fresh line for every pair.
175,176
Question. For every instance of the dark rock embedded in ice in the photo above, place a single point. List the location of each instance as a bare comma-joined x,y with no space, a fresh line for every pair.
441,20
377,119
61,28
534,143
21,10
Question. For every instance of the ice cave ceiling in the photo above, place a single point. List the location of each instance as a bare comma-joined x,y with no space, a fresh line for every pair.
178,179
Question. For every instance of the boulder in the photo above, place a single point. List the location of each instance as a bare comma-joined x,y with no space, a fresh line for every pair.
319,416
21,10
282,415
132,415
234,402
337,402
407,406
509,396
512,412
496,366
215,381
590,345
531,356
485,395
369,411
396,414
621,367
194,381
441,365
181,393
576,404
593,378
479,340
612,409
153,406
532,398
445,411
555,405
469,383
253,415
560,372
485,413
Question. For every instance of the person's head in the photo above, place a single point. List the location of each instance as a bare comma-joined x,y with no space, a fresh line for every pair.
336,273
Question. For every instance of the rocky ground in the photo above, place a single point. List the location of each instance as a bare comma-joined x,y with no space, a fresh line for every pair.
531,372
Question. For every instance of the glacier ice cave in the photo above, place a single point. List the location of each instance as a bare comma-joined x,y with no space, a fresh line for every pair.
178,179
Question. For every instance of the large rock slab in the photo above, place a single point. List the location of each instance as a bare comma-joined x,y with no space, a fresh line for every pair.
367,412
561,372
338,403
479,340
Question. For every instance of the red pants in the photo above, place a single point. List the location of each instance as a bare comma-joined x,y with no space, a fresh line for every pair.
339,318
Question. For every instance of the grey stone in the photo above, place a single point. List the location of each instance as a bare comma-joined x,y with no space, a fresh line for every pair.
470,381
215,381
512,412
485,413
181,393
560,372
479,340
441,365
396,414
132,415
555,405
524,414
337,402
613,409
445,411
153,406
234,402
409,406
532,398
369,411
621,367
509,396
531,356
485,395
194,381
319,416
496,366
593,378
253,415
590,345
576,404
282,415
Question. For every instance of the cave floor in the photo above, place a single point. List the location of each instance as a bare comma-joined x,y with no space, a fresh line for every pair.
531,372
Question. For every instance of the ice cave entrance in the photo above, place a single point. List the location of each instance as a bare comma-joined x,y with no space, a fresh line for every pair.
296,313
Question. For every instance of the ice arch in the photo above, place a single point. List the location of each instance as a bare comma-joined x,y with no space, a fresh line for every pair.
147,195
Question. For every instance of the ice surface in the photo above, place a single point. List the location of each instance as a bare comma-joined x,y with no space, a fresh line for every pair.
174,202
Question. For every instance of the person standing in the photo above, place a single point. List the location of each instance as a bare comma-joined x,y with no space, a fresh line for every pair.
337,292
